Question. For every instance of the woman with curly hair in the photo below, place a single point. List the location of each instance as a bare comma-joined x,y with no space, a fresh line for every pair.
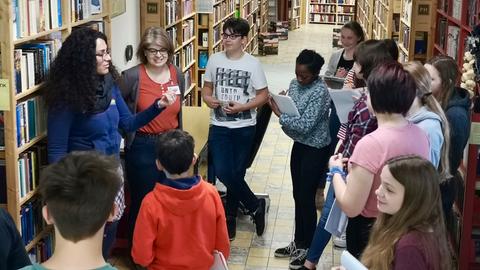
140,85
86,109
409,233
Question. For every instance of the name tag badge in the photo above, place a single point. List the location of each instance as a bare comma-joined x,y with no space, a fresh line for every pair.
175,89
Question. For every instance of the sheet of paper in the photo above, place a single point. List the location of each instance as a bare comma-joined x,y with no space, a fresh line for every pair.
351,263
285,104
4,95
344,100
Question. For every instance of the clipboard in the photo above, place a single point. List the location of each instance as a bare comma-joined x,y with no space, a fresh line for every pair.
285,104
334,82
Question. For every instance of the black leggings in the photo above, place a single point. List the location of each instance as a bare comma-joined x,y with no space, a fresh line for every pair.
307,168
358,232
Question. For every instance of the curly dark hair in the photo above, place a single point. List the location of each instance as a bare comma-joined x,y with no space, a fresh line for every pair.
72,80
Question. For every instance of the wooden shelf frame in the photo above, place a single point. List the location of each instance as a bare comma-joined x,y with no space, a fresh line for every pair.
338,12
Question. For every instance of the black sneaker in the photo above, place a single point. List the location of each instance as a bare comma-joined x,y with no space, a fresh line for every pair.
232,227
260,217
285,251
298,258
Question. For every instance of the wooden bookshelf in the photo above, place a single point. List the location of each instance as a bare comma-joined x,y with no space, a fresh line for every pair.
386,19
455,19
179,19
250,10
18,37
263,27
416,28
294,13
337,12
365,16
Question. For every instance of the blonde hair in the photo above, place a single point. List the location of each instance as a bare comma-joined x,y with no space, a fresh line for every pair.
155,35
421,213
423,83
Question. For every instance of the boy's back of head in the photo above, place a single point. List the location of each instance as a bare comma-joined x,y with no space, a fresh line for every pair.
79,192
175,151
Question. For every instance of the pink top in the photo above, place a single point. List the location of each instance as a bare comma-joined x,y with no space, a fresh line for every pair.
376,148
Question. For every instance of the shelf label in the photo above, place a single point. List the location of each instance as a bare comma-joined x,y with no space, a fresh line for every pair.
4,95
475,133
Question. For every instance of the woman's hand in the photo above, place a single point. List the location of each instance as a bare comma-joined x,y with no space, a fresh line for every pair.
166,100
211,102
233,107
337,161
274,107
283,92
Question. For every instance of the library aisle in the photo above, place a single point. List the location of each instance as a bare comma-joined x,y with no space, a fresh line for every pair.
270,171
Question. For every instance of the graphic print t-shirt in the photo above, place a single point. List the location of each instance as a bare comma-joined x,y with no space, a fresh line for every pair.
234,80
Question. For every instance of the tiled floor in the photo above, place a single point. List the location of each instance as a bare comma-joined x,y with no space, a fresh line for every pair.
270,171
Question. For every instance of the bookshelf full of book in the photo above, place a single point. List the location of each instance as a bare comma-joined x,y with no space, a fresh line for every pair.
386,19
249,10
336,12
263,27
455,19
179,19
37,30
416,30
365,16
294,10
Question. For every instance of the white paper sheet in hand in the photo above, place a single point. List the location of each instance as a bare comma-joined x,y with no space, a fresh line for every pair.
344,100
285,104
351,263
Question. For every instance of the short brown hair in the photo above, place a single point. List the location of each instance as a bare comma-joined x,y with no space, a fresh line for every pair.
392,89
79,191
369,54
151,36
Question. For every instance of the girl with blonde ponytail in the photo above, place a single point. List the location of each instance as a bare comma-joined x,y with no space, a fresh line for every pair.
428,114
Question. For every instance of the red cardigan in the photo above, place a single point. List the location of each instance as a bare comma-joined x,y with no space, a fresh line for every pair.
180,229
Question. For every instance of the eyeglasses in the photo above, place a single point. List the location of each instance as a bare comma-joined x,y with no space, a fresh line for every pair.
153,51
230,36
103,54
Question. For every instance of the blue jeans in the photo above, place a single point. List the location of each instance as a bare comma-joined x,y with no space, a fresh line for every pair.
321,236
230,149
142,174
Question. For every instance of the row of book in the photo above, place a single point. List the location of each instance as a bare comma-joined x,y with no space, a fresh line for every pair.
344,18
221,10
320,8
31,220
188,54
188,29
43,250
83,9
31,118
34,16
176,59
29,165
172,33
3,182
188,78
189,99
32,62
319,18
172,11
188,7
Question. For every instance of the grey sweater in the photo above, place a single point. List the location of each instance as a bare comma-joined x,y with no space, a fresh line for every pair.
313,104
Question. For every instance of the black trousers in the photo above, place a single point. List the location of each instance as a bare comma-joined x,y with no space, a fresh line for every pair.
307,168
358,232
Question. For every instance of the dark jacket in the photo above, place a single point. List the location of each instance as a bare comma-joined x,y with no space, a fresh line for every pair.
69,130
458,115
129,85
12,250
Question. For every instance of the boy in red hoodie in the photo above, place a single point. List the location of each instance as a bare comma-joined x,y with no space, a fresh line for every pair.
182,221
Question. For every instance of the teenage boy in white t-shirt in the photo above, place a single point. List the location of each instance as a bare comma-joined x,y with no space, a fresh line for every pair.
235,85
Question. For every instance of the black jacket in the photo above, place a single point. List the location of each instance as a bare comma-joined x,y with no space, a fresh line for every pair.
12,250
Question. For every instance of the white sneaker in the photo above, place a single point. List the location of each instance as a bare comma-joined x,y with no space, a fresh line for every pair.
341,241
